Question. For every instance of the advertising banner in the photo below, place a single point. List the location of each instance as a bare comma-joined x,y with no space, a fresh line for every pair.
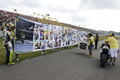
33,36
24,34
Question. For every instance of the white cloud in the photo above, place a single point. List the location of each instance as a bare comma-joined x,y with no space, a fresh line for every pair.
101,4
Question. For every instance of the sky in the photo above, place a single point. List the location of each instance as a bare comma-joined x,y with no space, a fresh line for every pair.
93,14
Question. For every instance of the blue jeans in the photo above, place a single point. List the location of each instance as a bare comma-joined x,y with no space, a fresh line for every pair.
90,47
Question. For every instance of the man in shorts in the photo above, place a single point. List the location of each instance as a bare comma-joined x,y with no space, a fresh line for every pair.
91,43
114,47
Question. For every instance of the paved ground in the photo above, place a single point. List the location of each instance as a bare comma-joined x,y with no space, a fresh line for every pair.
72,64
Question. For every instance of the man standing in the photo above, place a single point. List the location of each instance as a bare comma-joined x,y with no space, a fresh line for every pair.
96,40
114,47
9,50
90,44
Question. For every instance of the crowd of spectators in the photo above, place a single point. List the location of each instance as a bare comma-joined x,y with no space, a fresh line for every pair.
7,17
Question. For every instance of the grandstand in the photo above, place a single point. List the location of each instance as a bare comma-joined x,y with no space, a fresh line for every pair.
6,16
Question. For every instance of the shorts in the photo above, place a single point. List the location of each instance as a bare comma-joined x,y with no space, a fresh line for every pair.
113,52
90,47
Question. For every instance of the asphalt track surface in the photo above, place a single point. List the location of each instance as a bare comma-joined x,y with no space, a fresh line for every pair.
71,64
